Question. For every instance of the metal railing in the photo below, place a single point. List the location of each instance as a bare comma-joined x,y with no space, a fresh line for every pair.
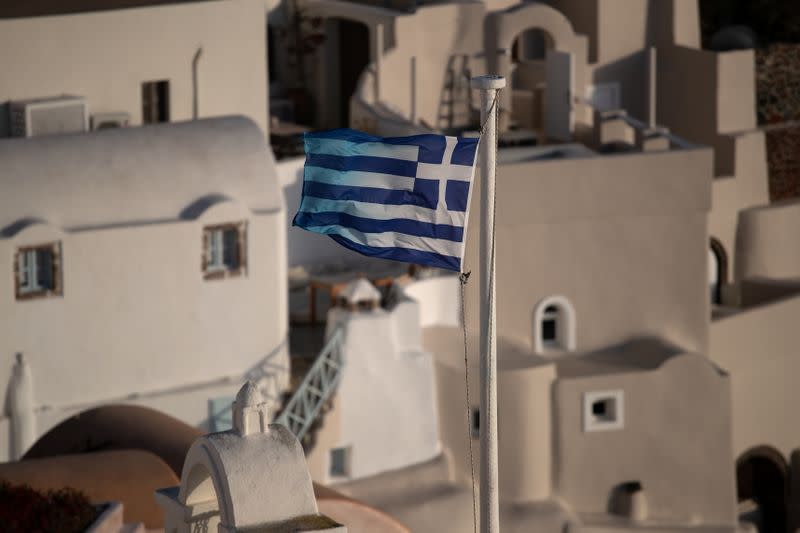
317,387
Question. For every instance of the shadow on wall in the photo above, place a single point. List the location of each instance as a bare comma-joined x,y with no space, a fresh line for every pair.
629,71
5,131
306,248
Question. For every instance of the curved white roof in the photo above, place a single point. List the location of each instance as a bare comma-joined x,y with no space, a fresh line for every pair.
136,175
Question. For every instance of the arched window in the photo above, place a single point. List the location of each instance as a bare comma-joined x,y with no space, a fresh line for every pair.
554,326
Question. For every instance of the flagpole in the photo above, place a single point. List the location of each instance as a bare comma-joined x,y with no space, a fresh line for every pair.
490,501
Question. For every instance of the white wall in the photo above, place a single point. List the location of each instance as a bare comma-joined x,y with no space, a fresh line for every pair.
758,347
136,315
305,247
387,397
105,56
438,299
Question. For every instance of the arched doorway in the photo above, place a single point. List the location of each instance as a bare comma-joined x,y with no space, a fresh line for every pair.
348,54
531,45
200,492
717,270
762,476
528,77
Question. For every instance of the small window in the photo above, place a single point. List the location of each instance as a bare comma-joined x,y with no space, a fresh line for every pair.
155,101
340,462
38,271
223,250
553,326
550,326
603,410
475,422
220,414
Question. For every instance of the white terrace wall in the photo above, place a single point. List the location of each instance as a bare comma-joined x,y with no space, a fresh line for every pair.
758,347
385,404
677,423
744,185
767,248
105,56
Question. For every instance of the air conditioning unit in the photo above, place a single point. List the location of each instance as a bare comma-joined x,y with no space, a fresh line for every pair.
102,121
47,116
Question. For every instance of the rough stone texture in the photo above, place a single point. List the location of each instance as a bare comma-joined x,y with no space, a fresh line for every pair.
778,86
778,83
783,152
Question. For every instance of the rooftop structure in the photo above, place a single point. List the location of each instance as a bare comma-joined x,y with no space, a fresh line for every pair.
636,248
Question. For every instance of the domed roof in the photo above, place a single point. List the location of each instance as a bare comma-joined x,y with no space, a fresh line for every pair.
135,175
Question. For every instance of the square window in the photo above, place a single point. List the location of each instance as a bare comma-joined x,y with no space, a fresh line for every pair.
603,410
37,271
600,408
340,462
224,250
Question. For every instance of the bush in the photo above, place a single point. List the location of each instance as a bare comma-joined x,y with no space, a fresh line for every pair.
23,509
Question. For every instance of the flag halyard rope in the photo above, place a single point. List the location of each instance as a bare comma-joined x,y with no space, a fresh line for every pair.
463,280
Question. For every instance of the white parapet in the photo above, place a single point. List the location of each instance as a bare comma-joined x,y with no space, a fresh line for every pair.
253,475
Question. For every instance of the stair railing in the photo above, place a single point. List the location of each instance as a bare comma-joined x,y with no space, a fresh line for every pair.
317,387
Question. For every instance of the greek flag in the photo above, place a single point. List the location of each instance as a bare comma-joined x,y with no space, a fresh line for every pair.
400,198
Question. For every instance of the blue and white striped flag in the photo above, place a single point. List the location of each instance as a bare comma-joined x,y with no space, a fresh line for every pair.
400,198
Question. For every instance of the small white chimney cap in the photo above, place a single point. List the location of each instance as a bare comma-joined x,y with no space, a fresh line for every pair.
360,290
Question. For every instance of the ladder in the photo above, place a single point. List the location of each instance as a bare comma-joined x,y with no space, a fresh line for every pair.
454,101
317,387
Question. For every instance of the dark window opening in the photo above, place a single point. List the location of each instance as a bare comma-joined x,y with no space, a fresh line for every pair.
475,422
271,59
354,47
531,45
155,101
340,462
549,329
599,408
550,324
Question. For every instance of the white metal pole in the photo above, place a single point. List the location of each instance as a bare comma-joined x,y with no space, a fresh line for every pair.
490,501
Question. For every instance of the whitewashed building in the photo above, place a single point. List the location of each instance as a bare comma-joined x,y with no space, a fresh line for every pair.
141,264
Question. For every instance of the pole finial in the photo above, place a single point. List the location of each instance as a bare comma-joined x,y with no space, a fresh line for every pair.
489,81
